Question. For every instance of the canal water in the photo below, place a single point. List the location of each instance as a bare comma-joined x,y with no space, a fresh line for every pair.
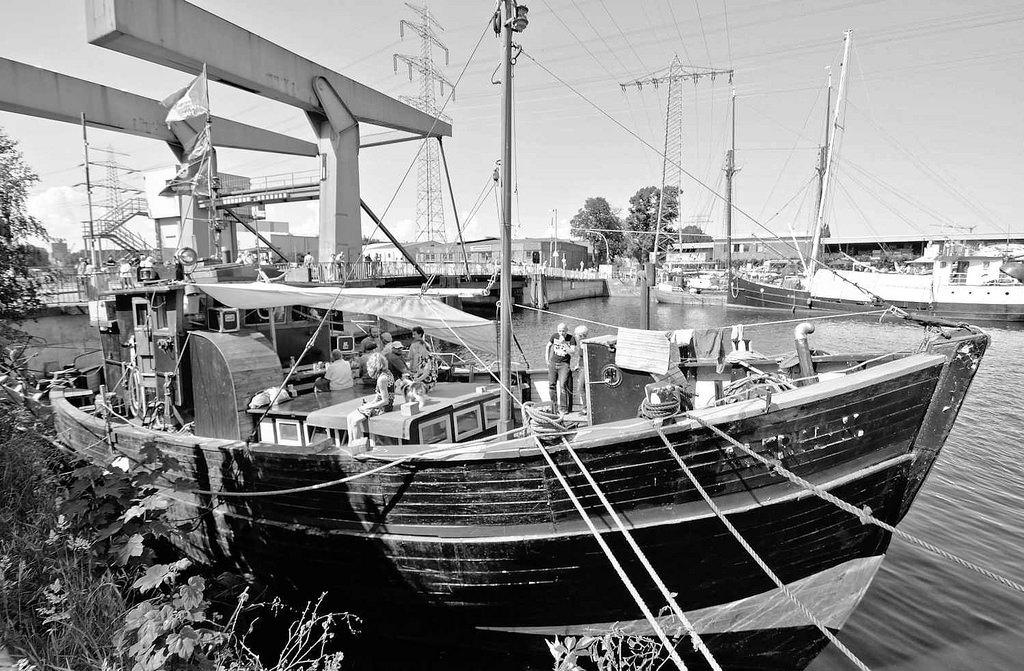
922,611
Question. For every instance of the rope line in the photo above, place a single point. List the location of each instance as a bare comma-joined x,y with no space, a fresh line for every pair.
648,615
864,515
753,554
695,638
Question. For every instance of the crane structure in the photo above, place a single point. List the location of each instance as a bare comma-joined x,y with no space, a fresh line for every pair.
672,157
429,206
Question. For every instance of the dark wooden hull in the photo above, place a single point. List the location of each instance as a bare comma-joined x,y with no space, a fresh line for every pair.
482,546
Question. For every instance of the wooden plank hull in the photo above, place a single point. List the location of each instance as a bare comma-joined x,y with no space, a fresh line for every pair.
475,547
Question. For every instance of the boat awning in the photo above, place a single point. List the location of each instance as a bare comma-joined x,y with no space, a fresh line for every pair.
404,307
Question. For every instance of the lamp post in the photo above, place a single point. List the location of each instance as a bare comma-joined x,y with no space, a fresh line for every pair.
607,252
554,247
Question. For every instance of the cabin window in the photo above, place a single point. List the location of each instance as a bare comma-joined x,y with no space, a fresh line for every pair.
436,430
267,431
317,433
467,422
289,432
492,412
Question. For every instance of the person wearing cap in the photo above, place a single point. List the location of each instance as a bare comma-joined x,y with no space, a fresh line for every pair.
393,352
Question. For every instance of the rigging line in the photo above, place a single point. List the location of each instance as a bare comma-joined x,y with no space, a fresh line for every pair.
695,638
897,194
856,207
783,587
627,583
865,516
927,170
700,20
655,149
886,205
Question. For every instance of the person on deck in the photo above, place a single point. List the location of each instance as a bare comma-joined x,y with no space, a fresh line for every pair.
364,360
422,361
578,379
383,401
374,337
396,363
339,372
558,354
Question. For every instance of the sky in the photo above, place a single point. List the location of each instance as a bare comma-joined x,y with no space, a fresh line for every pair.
930,144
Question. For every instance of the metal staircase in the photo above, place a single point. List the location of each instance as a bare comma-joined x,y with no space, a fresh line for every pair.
110,226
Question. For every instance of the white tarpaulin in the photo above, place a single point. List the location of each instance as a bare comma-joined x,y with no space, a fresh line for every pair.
398,306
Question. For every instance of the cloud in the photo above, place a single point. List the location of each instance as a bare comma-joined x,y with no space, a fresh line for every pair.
61,209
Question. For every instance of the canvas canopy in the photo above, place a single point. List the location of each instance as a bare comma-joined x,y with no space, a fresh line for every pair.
404,307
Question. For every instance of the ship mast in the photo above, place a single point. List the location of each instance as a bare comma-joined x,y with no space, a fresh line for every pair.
819,222
730,170
512,19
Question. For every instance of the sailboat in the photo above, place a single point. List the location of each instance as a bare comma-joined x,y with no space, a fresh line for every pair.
687,504
957,281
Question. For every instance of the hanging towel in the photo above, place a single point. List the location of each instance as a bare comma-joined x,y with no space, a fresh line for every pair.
710,344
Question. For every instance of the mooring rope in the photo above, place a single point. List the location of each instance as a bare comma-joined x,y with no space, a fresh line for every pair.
864,515
648,615
839,315
695,639
753,554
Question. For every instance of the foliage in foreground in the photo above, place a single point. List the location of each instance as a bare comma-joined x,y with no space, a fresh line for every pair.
89,579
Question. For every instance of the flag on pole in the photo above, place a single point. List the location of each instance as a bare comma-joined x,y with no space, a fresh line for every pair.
190,102
193,176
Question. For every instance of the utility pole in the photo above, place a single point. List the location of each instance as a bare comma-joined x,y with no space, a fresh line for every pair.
93,252
672,158
429,206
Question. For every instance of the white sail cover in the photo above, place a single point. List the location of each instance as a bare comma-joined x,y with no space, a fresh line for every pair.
404,307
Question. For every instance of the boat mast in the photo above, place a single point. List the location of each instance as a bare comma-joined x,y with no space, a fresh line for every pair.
819,221
730,170
513,19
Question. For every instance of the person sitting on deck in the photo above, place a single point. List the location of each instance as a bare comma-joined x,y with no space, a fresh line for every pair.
383,401
339,372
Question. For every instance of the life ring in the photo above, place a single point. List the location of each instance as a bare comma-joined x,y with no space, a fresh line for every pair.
263,314
187,256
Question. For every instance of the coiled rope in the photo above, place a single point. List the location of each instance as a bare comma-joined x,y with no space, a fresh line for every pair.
546,425
863,514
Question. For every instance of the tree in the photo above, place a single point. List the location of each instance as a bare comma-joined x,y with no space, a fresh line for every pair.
642,220
18,297
693,233
600,224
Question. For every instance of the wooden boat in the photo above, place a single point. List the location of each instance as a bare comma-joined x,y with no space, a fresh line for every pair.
477,533
466,525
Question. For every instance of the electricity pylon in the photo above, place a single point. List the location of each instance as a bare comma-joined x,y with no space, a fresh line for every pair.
672,159
429,208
